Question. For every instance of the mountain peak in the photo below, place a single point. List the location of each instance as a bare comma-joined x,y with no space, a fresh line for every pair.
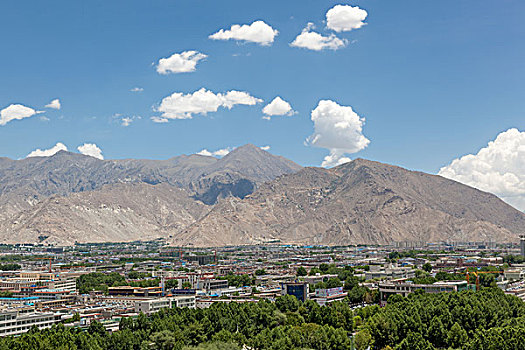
247,149
248,146
259,161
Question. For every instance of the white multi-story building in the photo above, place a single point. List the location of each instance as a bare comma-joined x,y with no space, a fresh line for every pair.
154,305
17,322
326,296
40,279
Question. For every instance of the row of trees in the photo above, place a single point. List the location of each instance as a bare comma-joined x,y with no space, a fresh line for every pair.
284,324
101,281
487,319
483,320
10,267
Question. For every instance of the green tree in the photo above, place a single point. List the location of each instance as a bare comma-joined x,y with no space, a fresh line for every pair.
260,272
351,282
301,271
358,321
415,341
96,328
457,336
363,340
427,267
334,283
436,332
76,317
287,303
164,340
314,271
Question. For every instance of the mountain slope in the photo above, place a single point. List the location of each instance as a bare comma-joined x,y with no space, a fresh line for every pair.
113,213
247,197
357,202
238,173
65,172
64,198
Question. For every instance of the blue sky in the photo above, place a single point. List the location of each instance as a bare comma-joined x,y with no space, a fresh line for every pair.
434,80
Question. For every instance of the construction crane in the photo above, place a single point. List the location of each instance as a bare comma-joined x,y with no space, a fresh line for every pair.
49,262
477,273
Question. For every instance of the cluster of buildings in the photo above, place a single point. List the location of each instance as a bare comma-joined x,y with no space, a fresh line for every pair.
44,290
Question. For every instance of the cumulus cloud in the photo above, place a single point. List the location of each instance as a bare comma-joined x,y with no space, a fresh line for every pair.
311,40
137,89
339,129
159,120
180,62
265,148
498,168
258,32
55,104
126,121
219,153
335,158
48,152
343,18
185,106
16,112
91,149
277,107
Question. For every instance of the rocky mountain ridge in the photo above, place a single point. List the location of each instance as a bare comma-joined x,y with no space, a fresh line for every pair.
357,202
246,197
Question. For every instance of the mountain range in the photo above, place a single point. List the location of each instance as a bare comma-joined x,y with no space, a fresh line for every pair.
247,197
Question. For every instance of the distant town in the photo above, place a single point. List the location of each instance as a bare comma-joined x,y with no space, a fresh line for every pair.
77,285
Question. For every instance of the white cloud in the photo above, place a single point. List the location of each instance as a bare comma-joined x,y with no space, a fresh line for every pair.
184,106
205,152
126,121
48,152
219,153
159,120
16,112
343,18
498,168
55,104
257,32
339,129
314,41
180,62
137,89
277,107
265,148
335,158
90,149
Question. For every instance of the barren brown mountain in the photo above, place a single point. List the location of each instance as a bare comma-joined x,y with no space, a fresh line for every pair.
247,197
357,202
70,197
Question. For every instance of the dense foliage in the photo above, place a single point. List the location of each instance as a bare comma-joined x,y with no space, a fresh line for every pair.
487,319
238,280
10,267
101,281
346,279
513,259
285,324
484,320
423,277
